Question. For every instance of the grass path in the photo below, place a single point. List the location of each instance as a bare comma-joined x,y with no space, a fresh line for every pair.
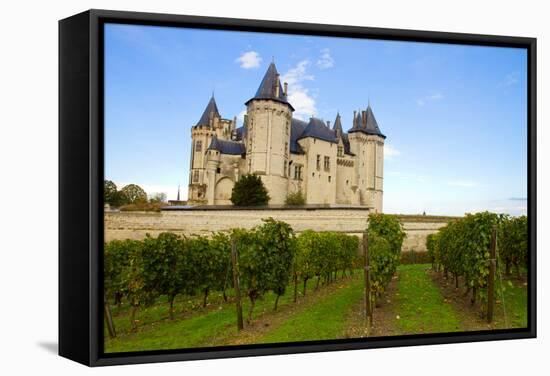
420,305
325,319
412,304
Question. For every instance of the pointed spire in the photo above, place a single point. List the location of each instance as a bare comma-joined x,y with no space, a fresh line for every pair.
210,111
337,123
270,87
371,123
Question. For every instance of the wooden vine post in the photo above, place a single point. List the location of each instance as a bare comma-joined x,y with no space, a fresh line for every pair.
368,302
236,284
492,272
109,317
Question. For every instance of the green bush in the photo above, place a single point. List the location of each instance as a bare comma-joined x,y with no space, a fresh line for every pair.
463,246
249,190
388,227
295,199
513,242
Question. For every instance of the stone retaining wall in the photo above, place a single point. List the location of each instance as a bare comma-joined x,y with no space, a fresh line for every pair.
134,225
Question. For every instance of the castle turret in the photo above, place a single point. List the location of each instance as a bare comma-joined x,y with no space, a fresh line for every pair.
269,118
202,134
367,143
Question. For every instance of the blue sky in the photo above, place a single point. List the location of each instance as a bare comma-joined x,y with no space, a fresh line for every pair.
455,117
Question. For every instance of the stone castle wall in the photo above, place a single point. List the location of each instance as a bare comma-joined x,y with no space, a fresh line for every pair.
134,225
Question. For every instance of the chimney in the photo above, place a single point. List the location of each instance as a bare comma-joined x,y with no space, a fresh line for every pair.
354,118
328,123
286,89
277,84
364,118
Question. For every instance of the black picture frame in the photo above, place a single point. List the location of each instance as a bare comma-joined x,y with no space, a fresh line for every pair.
81,185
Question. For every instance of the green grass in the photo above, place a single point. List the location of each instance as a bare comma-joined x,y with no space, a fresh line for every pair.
325,319
419,304
199,328
515,303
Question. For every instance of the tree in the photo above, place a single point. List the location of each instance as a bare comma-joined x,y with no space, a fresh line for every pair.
157,198
133,194
110,195
295,199
249,191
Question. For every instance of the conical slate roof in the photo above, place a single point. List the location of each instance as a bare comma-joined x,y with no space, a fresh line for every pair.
211,109
369,126
337,124
268,87
317,128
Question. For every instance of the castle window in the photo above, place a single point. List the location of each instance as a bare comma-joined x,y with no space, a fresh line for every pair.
198,146
287,127
340,151
318,162
195,176
327,163
347,182
313,174
218,170
329,179
298,172
286,149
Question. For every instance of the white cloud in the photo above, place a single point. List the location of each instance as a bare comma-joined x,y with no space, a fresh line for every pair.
510,79
299,96
249,60
462,183
429,98
241,114
390,152
325,60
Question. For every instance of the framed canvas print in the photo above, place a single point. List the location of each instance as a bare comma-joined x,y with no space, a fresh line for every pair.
236,187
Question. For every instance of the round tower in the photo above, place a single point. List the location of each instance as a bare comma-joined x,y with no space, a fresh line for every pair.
367,143
202,134
269,117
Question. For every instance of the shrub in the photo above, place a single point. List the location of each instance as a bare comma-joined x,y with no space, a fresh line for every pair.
388,227
512,242
143,206
295,199
249,191
383,261
163,261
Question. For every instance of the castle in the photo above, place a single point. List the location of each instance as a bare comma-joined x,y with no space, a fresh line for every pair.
329,166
